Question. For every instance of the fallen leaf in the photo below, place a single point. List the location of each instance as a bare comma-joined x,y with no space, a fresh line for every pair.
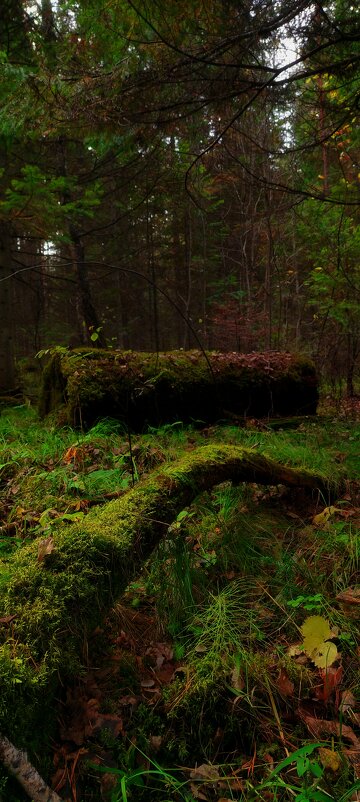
322,518
7,619
315,630
110,722
325,655
284,684
232,783
156,742
330,760
108,785
198,792
205,772
237,679
349,596
319,727
45,548
348,701
331,679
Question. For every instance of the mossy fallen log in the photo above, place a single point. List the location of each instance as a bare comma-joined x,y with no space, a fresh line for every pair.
151,389
54,592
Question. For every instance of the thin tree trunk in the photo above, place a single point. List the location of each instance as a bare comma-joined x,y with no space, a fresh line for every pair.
88,310
7,359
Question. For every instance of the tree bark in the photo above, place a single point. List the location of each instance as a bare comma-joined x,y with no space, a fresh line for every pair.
7,361
90,317
17,763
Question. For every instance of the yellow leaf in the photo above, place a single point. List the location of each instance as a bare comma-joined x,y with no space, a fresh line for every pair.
315,631
330,760
325,655
322,518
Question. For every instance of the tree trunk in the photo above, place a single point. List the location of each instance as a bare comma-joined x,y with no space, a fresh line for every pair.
7,360
16,762
90,318
146,389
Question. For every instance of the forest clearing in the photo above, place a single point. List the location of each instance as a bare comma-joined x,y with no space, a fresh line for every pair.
179,401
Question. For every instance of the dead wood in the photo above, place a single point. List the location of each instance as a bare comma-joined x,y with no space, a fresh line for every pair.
18,765
142,389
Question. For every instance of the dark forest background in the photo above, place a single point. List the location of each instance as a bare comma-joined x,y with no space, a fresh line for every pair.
180,173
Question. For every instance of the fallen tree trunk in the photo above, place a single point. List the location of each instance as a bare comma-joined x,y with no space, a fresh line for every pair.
57,590
151,389
17,763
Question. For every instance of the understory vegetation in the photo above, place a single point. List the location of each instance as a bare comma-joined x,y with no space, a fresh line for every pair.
229,668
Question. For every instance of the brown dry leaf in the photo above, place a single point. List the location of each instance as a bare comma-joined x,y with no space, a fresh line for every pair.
85,719
45,548
330,760
353,755
349,596
108,785
319,727
284,684
237,679
156,742
331,677
108,721
232,783
7,619
348,701
198,792
205,772
74,454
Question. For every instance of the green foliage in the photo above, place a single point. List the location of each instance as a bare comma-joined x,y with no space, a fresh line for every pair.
163,782
43,196
309,771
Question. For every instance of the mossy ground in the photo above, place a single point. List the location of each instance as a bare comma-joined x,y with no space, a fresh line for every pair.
193,666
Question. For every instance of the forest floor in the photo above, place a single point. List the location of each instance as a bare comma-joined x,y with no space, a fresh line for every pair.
230,669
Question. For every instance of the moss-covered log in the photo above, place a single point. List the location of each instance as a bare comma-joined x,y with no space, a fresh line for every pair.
55,592
144,388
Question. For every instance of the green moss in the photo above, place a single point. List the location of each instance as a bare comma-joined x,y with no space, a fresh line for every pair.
59,597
